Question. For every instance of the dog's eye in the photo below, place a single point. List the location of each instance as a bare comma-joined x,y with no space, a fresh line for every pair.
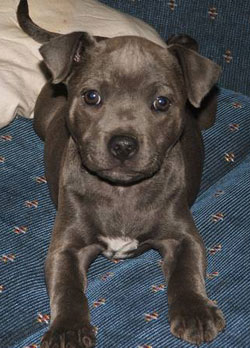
161,104
92,97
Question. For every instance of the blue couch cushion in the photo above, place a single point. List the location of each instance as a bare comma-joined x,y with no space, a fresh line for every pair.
127,299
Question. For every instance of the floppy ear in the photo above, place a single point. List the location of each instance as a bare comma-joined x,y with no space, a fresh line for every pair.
206,114
62,52
183,40
200,73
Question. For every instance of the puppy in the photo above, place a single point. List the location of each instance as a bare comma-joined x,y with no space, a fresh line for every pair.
121,119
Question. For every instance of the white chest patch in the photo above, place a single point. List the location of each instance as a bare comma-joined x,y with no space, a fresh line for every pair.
119,248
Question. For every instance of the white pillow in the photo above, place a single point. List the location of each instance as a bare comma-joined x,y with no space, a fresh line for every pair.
20,76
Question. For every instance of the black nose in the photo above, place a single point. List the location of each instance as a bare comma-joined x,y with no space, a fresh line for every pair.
123,147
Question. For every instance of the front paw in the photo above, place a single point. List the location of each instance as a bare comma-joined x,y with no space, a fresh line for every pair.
195,319
59,338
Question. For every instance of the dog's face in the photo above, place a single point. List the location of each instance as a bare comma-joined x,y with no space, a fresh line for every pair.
126,108
126,100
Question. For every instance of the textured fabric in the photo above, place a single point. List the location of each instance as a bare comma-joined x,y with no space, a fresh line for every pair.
20,59
221,27
127,299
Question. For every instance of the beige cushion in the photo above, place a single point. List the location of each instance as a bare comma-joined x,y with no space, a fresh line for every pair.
20,76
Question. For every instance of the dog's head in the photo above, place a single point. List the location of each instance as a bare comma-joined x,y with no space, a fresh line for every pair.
126,99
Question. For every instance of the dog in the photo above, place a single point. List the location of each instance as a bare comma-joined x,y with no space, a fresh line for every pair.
121,119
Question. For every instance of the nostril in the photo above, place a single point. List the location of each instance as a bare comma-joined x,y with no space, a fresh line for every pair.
123,147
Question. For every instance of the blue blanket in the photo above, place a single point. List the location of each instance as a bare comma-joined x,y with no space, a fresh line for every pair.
127,299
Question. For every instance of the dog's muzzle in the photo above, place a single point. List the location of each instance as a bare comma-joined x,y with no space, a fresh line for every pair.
119,163
123,147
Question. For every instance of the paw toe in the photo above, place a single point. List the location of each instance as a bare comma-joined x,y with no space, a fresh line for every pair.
82,338
198,324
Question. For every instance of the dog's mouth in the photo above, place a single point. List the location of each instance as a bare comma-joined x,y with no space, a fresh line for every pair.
121,175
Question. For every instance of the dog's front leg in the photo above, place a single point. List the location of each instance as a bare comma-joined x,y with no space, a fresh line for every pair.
193,317
65,270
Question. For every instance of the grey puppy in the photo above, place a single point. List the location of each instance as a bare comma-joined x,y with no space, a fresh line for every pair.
122,119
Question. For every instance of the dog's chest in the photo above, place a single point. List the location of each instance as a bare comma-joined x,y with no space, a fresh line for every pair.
121,227
118,247
125,218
